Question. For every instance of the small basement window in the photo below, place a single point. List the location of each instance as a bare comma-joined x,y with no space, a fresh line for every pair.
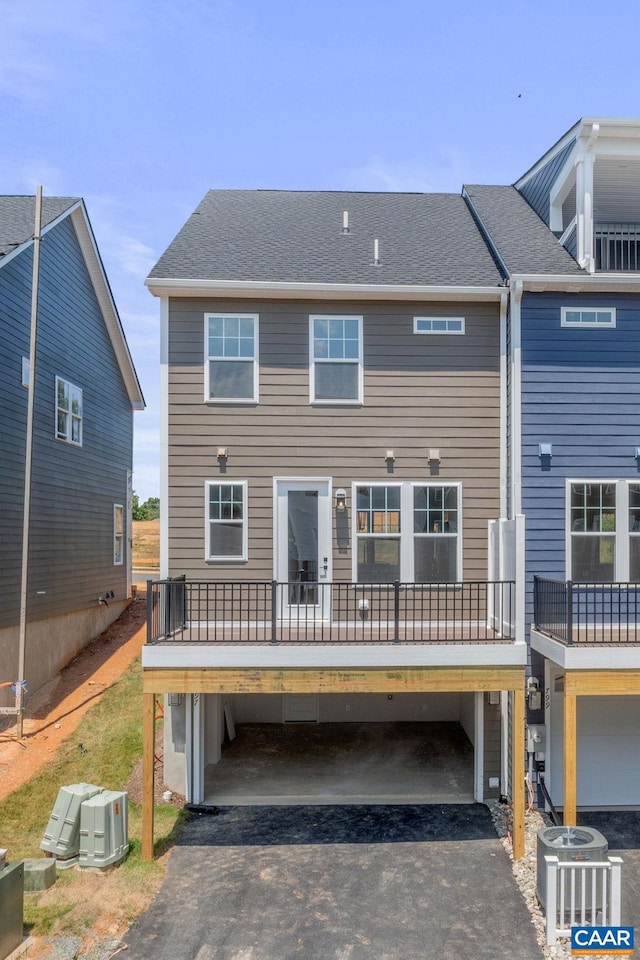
438,325
588,317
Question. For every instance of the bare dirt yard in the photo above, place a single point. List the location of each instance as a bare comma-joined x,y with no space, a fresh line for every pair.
56,709
146,544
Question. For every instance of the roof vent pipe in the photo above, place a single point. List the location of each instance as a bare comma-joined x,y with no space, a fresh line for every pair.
376,253
345,222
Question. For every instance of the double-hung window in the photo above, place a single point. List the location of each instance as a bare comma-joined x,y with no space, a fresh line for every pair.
408,532
226,520
603,521
68,412
231,351
336,359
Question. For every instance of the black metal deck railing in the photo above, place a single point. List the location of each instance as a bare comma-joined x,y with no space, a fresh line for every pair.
587,612
272,612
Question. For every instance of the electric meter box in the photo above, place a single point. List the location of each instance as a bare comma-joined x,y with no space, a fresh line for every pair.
11,907
104,829
62,836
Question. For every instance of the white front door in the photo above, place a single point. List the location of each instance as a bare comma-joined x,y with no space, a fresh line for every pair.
303,547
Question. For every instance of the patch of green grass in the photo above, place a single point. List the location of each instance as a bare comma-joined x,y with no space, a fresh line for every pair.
111,737
42,919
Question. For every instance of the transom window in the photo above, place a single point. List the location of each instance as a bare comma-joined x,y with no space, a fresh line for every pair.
588,317
408,532
604,531
231,349
226,520
453,325
336,359
68,412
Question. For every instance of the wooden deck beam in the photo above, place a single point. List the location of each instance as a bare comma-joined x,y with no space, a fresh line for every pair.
332,680
148,756
518,764
570,759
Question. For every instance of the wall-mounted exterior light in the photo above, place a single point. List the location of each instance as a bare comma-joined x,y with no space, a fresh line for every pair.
223,453
390,455
341,499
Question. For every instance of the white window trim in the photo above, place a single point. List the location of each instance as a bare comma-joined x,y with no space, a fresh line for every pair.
622,532
312,362
407,557
584,325
68,440
120,562
439,333
256,358
245,521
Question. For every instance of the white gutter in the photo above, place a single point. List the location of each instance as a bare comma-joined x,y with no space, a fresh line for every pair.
321,291
585,283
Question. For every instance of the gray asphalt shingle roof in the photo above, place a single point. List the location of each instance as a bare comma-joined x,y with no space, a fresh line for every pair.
296,236
17,218
523,241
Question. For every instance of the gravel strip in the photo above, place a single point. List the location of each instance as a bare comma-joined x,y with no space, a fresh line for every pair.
525,870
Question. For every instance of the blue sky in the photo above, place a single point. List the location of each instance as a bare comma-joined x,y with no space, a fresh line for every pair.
142,107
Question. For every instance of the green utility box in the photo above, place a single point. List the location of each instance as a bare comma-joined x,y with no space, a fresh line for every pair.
62,836
104,829
11,907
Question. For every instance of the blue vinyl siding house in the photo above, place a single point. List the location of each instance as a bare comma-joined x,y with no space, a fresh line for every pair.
570,256
86,391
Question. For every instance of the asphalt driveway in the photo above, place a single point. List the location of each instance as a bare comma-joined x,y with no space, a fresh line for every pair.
338,883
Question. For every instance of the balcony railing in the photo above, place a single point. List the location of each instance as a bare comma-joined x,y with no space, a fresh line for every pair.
268,612
587,612
617,246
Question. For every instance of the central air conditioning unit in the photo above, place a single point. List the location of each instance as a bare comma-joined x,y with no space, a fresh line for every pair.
571,844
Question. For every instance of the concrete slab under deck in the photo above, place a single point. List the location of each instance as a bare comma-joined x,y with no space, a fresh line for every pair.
343,763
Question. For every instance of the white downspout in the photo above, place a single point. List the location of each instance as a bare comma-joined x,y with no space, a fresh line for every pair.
516,397
164,437
504,305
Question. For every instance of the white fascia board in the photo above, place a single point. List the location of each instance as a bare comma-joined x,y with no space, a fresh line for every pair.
325,656
560,191
613,656
587,283
92,258
261,289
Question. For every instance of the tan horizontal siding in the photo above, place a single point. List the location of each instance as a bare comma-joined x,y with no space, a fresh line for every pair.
420,391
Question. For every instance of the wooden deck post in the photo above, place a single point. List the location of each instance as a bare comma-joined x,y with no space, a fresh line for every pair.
148,752
517,740
570,757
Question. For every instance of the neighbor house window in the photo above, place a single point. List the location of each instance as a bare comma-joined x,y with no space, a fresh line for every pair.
588,317
68,412
408,532
336,359
604,531
231,351
226,520
453,325
118,534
